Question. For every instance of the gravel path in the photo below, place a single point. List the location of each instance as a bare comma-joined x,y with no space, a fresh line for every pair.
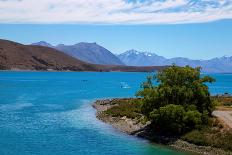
225,116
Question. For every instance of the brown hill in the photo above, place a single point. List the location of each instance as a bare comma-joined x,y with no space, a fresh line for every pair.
15,56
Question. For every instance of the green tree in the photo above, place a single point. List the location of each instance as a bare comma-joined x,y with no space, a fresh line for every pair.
183,86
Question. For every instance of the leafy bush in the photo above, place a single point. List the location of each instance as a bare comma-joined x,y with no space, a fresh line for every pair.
169,117
192,119
174,118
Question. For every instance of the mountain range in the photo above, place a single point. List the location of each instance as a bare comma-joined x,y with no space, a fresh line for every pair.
88,52
96,54
215,65
16,56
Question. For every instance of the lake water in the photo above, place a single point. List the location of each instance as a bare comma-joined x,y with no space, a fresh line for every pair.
43,113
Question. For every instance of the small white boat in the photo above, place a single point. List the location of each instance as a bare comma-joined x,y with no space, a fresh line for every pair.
124,85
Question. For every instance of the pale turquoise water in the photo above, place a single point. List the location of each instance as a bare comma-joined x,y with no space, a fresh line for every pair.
50,113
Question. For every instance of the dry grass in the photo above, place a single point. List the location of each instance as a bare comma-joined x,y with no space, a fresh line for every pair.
129,108
214,135
224,101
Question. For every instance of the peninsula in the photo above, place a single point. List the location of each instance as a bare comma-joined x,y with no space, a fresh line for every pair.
193,122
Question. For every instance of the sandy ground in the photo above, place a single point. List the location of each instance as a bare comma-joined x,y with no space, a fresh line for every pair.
224,116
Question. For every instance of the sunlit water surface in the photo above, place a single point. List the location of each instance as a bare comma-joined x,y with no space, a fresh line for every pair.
43,113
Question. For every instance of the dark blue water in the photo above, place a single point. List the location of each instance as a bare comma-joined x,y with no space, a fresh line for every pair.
50,113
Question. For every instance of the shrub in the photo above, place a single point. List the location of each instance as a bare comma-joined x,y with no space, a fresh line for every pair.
192,119
175,119
169,118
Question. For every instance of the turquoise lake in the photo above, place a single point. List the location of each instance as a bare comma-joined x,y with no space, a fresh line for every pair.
46,113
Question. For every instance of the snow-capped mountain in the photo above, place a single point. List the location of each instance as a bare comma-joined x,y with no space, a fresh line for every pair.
42,43
136,58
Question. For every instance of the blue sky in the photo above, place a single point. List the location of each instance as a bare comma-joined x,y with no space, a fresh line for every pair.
197,29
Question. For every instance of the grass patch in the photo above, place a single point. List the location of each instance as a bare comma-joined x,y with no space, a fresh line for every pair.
213,136
128,108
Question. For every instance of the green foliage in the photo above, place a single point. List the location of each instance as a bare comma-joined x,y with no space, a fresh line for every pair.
192,119
180,101
169,117
175,118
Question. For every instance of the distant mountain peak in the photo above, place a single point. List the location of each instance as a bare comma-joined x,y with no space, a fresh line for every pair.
42,43
61,45
226,56
90,52
132,51
87,43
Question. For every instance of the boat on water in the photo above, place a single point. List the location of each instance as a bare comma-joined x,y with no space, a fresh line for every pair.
125,85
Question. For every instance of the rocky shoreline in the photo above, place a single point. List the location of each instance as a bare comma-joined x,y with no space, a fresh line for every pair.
136,128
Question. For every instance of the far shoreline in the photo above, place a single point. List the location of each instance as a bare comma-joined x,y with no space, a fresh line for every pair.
77,71
21,70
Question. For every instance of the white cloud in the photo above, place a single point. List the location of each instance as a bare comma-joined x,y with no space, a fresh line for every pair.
114,11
